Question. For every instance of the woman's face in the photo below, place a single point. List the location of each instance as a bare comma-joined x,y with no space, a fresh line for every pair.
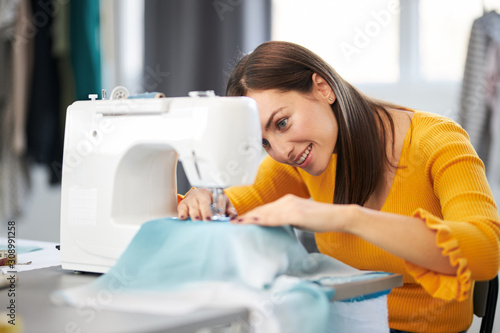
297,129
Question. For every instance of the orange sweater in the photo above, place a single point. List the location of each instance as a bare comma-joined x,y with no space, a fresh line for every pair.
440,180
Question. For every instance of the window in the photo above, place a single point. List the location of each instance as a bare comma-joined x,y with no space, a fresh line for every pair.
358,38
444,35
382,41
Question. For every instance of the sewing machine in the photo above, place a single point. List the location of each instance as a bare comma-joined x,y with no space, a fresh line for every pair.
119,165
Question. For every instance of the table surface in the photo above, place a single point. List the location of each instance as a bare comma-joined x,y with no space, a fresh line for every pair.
38,314
360,288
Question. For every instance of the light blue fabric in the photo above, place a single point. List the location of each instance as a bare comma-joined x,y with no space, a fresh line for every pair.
22,249
168,255
167,252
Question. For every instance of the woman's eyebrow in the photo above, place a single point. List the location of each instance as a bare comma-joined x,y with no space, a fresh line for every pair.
272,116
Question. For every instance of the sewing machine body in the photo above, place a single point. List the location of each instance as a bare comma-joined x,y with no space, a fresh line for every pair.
119,165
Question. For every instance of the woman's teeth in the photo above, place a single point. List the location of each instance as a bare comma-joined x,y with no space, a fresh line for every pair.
304,155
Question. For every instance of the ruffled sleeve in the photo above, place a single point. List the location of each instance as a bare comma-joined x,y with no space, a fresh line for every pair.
439,285
468,229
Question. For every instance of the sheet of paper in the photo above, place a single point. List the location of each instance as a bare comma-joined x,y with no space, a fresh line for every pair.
41,254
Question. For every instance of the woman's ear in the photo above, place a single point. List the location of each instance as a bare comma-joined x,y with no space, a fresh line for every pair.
322,89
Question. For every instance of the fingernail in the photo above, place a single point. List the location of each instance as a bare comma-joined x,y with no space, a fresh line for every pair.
182,217
240,220
255,218
208,218
197,217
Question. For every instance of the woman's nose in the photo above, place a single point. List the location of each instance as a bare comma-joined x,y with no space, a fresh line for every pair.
281,150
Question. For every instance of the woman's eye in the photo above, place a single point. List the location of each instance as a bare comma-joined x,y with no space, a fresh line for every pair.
282,123
265,143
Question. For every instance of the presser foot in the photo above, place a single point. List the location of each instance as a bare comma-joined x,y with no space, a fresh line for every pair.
220,218
218,206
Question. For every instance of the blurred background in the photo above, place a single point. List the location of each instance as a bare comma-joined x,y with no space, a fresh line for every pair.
437,56
53,52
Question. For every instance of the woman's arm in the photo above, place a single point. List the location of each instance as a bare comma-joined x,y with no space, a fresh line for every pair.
465,233
403,236
406,237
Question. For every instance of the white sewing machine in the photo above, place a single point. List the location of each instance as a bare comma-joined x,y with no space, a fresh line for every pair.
119,165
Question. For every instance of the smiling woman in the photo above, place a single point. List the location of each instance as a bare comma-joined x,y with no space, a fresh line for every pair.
316,87
293,137
392,189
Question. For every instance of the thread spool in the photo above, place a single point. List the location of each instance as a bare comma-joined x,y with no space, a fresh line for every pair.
119,92
7,259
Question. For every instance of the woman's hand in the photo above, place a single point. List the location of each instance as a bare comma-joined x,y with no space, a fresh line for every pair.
300,213
196,205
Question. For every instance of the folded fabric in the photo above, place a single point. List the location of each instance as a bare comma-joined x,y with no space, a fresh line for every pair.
176,267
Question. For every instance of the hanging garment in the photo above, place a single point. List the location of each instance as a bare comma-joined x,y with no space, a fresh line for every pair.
62,52
85,47
43,122
475,111
493,102
15,72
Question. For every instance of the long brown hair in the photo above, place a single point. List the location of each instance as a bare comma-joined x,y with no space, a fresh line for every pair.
361,141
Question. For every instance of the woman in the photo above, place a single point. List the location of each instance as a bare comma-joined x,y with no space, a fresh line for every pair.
393,189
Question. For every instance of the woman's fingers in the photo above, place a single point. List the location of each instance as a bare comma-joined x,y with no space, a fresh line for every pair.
190,206
204,205
231,211
182,210
197,205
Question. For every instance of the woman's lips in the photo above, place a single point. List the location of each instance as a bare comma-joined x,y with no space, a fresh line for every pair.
304,155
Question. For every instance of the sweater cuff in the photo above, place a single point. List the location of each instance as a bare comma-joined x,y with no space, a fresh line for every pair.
447,287
181,197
